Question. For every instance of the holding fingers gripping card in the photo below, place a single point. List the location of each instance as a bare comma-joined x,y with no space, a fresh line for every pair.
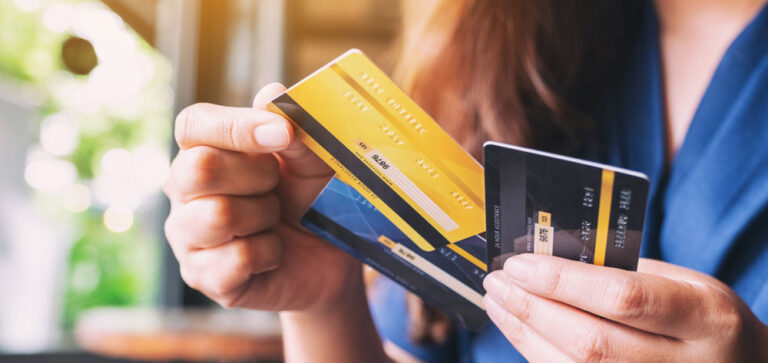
360,123
543,203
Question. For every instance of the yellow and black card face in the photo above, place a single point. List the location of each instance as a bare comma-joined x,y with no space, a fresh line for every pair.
386,147
548,204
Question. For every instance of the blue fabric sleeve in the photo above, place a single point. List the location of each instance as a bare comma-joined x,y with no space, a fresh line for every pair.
390,313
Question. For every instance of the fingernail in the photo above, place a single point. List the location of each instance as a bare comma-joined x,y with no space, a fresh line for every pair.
272,135
520,267
495,285
494,310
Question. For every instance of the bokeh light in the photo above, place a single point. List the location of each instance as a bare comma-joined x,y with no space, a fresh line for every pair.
50,175
77,198
58,134
57,18
28,5
118,219
116,163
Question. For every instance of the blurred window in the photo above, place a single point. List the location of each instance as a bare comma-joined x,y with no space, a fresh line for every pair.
85,107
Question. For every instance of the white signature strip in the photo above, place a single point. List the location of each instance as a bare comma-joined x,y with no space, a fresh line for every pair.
439,275
410,189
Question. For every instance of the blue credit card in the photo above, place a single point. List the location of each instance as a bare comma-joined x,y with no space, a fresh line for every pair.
443,277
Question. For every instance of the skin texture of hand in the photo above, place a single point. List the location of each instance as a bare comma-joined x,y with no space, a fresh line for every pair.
556,310
238,189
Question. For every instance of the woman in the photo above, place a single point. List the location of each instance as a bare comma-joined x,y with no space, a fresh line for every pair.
673,88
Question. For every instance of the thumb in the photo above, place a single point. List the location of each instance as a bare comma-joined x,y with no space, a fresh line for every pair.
297,157
303,175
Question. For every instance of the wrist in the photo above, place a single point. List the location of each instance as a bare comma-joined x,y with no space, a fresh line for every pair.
350,296
339,331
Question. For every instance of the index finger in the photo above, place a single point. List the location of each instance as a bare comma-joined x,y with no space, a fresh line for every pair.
232,128
652,303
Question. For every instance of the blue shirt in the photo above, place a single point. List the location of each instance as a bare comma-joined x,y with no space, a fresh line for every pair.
708,210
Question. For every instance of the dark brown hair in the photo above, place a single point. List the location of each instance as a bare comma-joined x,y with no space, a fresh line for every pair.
516,71
506,70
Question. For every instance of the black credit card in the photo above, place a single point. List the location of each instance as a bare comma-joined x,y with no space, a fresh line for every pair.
543,203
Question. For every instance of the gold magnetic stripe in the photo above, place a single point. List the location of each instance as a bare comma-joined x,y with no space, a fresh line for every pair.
395,123
603,216
475,261
388,242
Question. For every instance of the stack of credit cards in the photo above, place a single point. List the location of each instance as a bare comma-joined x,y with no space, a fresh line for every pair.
410,202
386,147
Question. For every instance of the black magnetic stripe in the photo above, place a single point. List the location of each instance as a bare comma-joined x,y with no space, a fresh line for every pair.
334,147
443,298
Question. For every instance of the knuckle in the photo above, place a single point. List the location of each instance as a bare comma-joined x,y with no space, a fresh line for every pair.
190,278
201,173
524,306
184,122
590,347
228,302
270,171
180,125
269,252
241,256
273,209
234,299
233,132
218,289
167,188
515,331
168,228
221,212
726,314
553,279
628,297
174,234
170,185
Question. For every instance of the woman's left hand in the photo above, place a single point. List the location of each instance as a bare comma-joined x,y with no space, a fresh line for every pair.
552,309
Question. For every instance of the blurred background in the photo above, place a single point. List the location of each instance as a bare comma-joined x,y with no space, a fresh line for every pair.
88,93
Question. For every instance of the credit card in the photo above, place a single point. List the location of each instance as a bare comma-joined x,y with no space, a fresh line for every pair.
542,203
368,130
447,278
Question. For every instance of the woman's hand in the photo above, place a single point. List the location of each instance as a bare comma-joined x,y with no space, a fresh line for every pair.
238,189
552,310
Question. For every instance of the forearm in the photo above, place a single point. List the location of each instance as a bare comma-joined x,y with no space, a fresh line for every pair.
344,333
762,342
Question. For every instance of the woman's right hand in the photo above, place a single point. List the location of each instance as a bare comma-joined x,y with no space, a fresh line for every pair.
238,189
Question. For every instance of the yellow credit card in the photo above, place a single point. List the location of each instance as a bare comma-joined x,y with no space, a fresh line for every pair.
385,146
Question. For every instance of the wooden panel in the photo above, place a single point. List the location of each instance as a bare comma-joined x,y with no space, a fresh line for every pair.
317,33
138,14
